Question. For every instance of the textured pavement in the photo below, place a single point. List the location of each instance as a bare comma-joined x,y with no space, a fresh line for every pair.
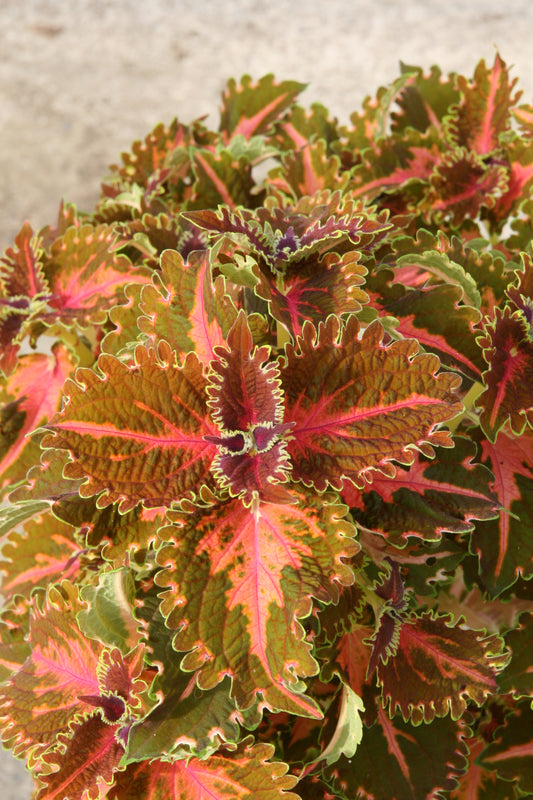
79,80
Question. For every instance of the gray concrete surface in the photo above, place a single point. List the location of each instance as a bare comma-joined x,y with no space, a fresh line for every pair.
80,79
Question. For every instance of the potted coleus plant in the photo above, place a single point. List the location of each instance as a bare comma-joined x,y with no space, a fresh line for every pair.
268,474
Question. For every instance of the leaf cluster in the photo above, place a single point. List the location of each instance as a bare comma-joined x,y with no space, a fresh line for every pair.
266,457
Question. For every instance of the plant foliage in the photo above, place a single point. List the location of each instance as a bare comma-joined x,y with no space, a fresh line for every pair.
266,457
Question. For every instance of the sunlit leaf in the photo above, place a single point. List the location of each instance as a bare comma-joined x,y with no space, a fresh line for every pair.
83,764
235,775
357,404
238,581
136,433
31,396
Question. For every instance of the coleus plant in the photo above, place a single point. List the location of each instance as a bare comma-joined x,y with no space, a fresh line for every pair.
267,473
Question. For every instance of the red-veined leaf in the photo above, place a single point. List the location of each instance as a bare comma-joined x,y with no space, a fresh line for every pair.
21,280
462,184
357,405
479,782
186,307
435,317
438,667
85,273
505,546
484,112
238,775
508,350
220,177
237,583
519,155
65,677
317,289
400,761
251,108
511,754
151,155
136,433
315,225
31,396
308,169
431,497
42,697
84,762
14,627
45,551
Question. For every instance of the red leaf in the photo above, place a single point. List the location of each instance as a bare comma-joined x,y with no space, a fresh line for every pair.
85,762
247,405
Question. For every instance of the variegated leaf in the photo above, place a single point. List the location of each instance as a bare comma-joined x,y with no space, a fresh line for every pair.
186,307
438,667
504,546
238,581
250,108
508,350
238,775
357,405
136,433
84,763
30,397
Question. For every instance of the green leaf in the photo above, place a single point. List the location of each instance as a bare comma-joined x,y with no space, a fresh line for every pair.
109,616
187,721
440,267
349,730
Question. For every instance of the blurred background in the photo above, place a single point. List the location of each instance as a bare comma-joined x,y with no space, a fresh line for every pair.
80,80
